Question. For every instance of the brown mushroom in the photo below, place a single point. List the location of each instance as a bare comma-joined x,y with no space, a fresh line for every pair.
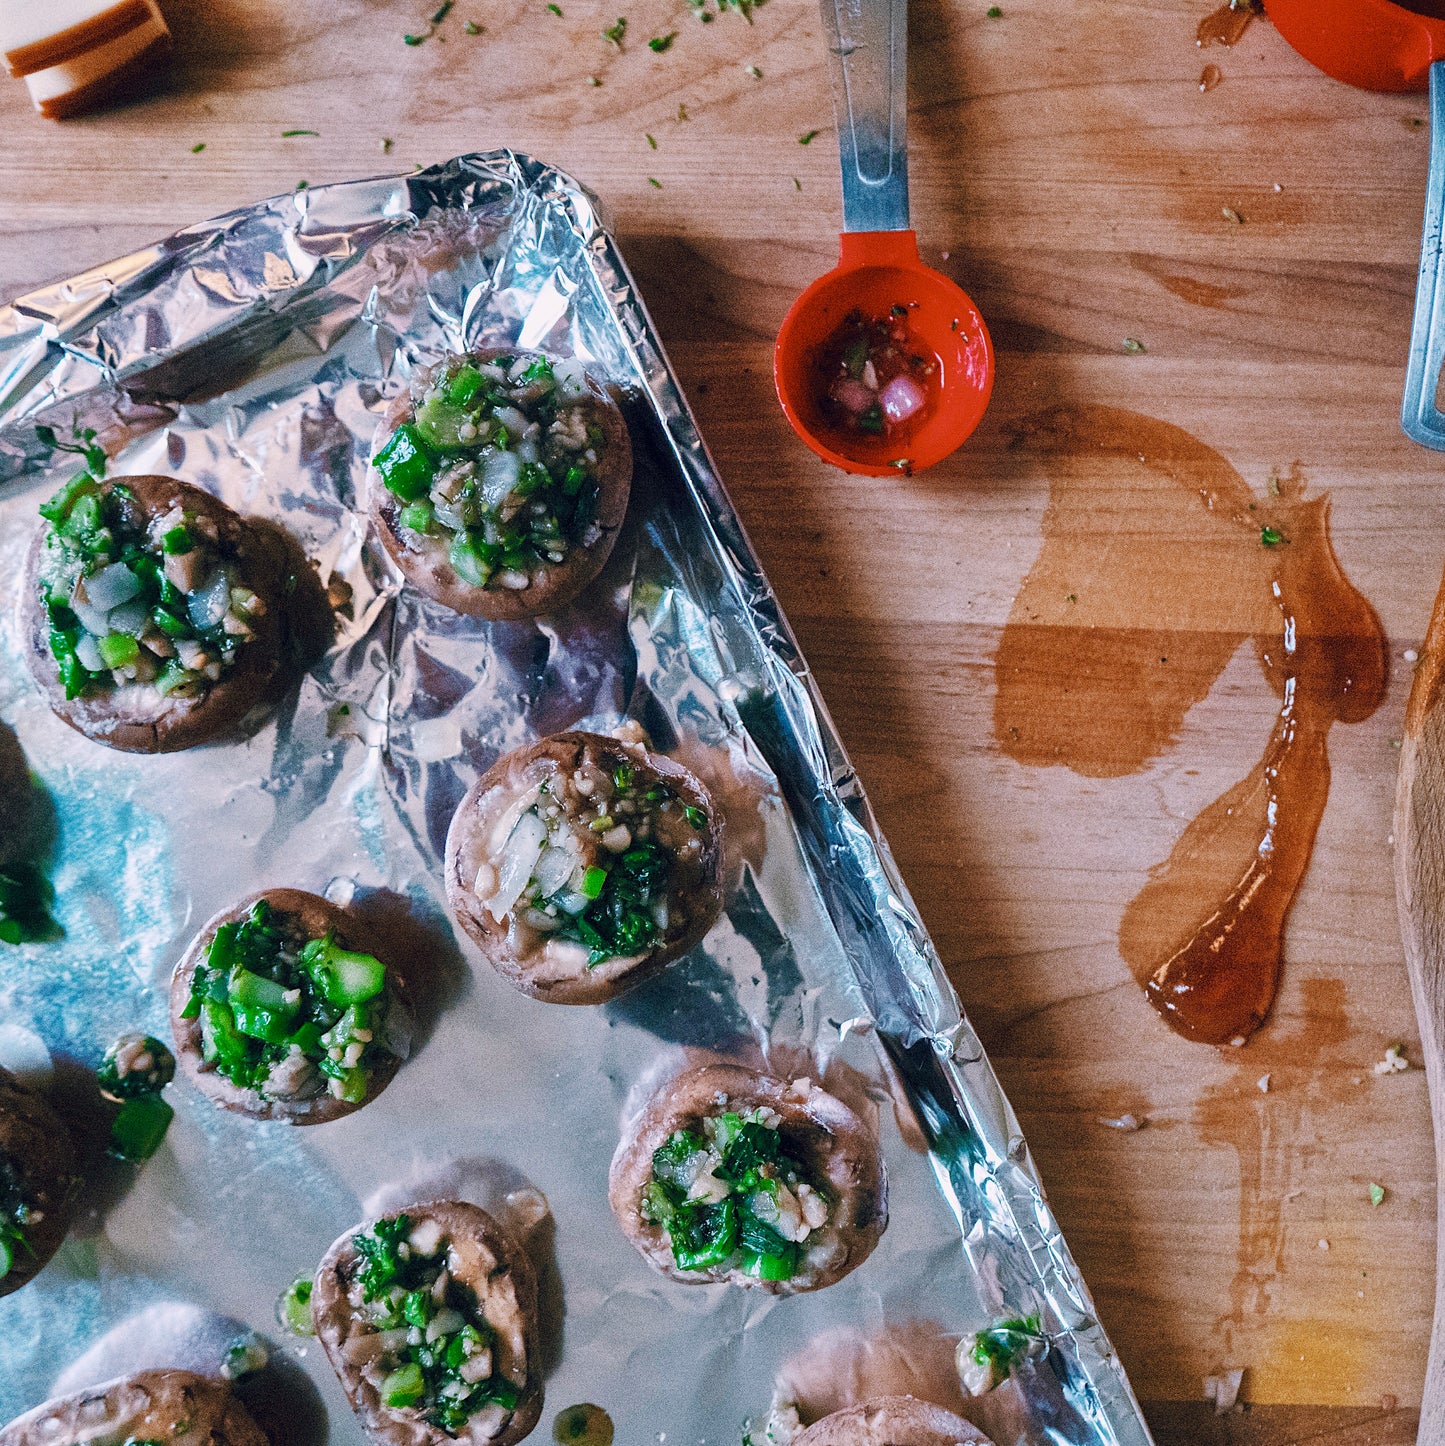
482,1258
423,560
38,1177
549,774
307,916
176,1407
837,1148
892,1421
136,718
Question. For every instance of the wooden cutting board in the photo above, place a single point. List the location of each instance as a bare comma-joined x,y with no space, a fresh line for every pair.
1258,239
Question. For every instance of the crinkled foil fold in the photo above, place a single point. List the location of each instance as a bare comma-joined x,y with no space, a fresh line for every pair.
252,355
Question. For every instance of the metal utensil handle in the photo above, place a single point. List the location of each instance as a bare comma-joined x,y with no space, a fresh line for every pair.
868,41
1419,415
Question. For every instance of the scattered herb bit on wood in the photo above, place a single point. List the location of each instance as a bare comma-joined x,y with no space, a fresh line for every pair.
414,39
1377,1194
1134,345
286,134
994,12
386,144
755,72
1073,597
1230,214
614,33
472,28
806,138
682,114
593,80
659,43
442,11
651,141
198,148
555,9
653,181
1271,536
797,184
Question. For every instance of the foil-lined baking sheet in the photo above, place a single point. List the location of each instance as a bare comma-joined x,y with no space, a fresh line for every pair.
252,355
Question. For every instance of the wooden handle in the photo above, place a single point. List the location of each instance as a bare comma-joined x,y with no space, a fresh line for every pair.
1420,894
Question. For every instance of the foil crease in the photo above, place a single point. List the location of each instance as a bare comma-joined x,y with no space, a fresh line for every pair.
252,354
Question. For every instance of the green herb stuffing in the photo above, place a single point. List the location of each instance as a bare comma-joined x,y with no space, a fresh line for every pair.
127,605
435,1370
733,1195
500,463
267,997
1002,1346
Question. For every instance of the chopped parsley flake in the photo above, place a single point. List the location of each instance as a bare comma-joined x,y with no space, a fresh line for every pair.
682,114
653,181
442,11
652,142
806,139
198,148
412,39
1230,214
797,184
555,9
614,33
386,144
659,43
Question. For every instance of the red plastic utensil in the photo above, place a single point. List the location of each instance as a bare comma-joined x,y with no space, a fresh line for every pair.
1378,45
879,266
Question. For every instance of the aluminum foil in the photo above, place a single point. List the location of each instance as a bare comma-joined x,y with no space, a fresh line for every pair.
252,355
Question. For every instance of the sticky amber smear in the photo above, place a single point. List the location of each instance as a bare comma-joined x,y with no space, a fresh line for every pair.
1146,523
1225,25
1267,1132
1187,288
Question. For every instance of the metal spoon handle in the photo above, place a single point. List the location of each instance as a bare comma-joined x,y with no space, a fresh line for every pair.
868,42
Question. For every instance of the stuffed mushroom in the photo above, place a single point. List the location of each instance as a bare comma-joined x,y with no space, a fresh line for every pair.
892,1421
155,612
175,1407
284,1009
583,864
429,1317
732,1175
38,1177
500,481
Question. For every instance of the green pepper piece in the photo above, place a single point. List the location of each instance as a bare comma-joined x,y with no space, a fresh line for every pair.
264,1024
470,558
417,515
657,1206
695,816
139,1127
307,1039
220,1039
117,650
57,509
404,1387
354,1085
439,424
704,1235
593,880
464,385
84,519
405,464
255,991
169,623
178,540
342,975
221,954
782,1266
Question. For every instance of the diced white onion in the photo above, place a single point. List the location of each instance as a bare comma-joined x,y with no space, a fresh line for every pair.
88,652
527,450
446,1322
111,586
571,380
555,867
501,472
92,619
426,1237
523,849
513,420
130,617
572,903
210,603
901,398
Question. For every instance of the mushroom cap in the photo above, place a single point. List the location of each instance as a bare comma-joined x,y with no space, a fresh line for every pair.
424,562
316,916
892,1421
37,1149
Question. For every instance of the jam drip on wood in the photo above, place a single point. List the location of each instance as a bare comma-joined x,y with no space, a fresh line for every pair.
1158,562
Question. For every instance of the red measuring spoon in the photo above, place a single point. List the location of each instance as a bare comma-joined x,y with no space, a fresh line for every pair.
879,267
1378,45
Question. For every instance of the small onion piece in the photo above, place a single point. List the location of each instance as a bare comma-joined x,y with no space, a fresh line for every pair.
501,471
513,419
522,850
901,398
88,651
210,603
111,586
851,394
93,619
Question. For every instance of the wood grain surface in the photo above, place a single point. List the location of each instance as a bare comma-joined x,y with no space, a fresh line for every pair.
1069,172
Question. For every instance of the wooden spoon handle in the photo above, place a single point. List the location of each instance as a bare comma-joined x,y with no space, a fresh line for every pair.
1420,894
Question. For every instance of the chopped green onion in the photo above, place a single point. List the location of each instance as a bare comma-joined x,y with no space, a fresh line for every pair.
651,140
405,464
178,540
593,880
287,134
1271,536
653,181
404,1387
